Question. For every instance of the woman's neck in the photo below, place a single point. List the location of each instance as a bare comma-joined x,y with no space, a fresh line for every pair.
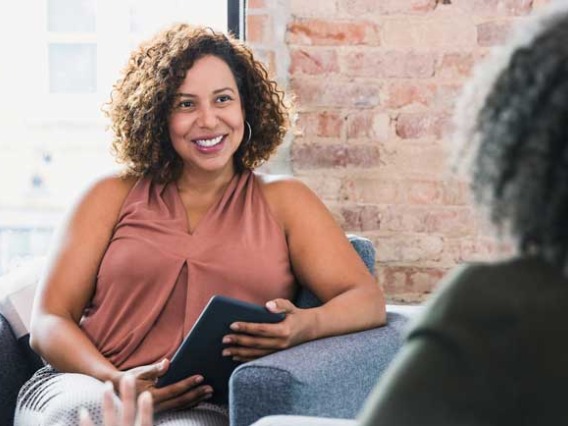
205,182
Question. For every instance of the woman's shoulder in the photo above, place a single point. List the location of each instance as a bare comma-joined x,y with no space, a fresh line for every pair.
288,197
103,198
112,188
283,188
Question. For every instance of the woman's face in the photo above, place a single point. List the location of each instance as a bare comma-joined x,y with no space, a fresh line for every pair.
206,124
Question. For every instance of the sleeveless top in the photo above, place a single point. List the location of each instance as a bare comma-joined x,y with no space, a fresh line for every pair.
155,277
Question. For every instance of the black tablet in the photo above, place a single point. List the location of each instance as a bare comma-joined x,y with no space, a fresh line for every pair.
201,350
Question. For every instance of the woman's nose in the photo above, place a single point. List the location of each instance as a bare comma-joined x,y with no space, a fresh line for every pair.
207,117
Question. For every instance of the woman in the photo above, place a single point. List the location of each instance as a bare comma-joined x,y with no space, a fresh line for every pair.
490,349
193,115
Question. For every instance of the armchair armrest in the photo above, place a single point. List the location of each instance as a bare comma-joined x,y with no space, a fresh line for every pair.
14,372
330,377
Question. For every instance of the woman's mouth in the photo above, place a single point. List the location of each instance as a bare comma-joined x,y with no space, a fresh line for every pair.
210,145
209,142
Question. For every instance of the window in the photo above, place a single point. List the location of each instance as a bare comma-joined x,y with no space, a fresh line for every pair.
67,56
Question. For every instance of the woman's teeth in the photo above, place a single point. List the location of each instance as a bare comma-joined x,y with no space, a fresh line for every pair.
208,142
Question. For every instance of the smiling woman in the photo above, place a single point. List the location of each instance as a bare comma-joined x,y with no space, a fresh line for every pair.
193,115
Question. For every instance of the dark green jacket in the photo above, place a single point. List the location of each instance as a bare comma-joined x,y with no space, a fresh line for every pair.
491,348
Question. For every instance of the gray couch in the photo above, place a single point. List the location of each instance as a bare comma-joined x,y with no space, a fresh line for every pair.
329,377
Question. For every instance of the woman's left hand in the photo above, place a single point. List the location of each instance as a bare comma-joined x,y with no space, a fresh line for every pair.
254,340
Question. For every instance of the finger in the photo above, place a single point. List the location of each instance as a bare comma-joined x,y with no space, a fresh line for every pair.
186,400
154,371
245,340
261,329
128,398
109,410
145,409
246,353
175,389
280,306
84,419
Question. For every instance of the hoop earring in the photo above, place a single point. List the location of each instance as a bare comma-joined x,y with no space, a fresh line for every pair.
250,133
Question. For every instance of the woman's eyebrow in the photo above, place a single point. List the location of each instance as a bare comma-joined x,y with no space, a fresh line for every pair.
191,95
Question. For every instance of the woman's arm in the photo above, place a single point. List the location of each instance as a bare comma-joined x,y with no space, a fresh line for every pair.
324,261
69,286
70,282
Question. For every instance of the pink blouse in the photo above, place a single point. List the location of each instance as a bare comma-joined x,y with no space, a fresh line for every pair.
155,277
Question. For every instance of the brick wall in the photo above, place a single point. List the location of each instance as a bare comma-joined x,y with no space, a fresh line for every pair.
375,83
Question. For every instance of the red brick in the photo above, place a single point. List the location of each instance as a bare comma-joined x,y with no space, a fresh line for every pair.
400,218
404,94
409,283
360,218
391,64
501,7
478,249
268,58
431,95
327,188
259,29
368,125
416,126
414,160
457,193
323,32
370,190
315,8
316,156
456,65
436,192
335,93
304,61
386,7
409,248
321,124
424,192
256,4
451,221
429,34
493,33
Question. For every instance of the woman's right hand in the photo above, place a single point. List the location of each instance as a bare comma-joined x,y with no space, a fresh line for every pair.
186,393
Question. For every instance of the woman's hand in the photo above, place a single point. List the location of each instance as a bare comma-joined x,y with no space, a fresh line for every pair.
132,411
254,340
184,394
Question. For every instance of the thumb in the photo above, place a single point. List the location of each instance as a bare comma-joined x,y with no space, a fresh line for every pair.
162,366
155,370
280,306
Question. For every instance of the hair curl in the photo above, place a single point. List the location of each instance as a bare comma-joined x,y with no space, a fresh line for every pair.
141,100
519,130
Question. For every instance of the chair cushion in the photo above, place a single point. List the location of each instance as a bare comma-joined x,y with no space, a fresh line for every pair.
17,289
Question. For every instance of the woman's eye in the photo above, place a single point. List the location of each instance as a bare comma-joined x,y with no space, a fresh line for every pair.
224,98
185,104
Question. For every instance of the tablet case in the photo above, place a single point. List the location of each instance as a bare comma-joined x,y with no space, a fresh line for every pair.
201,350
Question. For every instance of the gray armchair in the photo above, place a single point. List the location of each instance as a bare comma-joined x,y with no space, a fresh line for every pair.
329,377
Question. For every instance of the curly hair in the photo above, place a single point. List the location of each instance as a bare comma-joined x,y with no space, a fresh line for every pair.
519,172
141,100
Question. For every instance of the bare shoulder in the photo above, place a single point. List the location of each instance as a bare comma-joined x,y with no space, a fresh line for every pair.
281,189
113,186
289,198
103,199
